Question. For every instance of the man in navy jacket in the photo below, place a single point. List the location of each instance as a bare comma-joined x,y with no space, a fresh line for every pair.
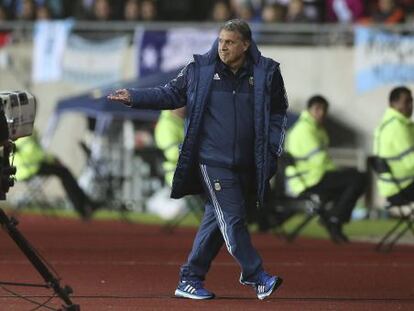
234,131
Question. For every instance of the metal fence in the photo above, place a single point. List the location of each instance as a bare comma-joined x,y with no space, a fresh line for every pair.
266,34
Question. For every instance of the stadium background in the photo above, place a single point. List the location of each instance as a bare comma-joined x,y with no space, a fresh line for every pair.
111,263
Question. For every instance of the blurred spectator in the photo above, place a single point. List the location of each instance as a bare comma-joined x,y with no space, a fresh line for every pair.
132,10
149,11
221,11
344,11
315,9
56,8
82,9
245,11
300,11
181,10
27,11
296,13
407,5
250,10
3,13
273,13
117,9
387,12
43,12
235,4
311,10
6,6
102,10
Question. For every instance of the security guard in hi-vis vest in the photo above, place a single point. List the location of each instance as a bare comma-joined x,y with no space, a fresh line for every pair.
307,141
169,135
32,160
394,141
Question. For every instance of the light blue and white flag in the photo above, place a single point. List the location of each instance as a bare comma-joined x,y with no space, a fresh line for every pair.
49,44
162,51
94,63
382,58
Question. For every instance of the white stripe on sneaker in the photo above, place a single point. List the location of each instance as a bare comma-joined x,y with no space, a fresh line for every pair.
183,294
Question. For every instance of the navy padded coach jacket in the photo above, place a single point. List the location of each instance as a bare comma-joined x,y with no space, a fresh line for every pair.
191,88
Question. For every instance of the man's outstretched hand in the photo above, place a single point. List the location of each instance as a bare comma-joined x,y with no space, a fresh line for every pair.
121,95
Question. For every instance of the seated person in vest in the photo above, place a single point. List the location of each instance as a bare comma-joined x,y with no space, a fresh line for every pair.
32,160
394,141
169,134
314,172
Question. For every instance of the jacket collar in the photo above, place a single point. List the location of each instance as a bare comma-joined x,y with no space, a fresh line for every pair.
306,116
393,113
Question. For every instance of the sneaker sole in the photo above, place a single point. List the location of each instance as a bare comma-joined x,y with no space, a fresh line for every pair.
182,294
277,284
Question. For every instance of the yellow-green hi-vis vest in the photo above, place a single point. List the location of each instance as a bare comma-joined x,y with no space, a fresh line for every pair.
28,157
307,142
394,141
169,134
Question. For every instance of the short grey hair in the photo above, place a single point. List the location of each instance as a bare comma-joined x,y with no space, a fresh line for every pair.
240,26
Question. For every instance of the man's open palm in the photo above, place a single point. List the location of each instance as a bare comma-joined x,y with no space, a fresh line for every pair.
121,95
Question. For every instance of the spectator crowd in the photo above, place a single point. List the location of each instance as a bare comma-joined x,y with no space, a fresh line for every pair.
266,11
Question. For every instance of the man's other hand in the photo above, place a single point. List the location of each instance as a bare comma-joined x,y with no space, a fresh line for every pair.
121,95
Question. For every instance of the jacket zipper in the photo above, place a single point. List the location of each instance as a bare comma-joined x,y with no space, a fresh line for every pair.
235,126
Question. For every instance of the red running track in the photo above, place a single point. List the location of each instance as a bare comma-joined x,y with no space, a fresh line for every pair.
122,266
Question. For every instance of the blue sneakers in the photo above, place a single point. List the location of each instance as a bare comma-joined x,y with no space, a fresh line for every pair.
192,290
265,284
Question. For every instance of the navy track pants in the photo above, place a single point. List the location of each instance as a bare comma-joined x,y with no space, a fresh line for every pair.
224,222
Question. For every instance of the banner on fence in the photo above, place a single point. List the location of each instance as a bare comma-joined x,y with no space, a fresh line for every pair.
382,58
94,63
162,51
50,39
5,39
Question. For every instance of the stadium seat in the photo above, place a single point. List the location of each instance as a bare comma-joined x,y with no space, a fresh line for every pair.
194,205
404,209
308,203
33,194
100,183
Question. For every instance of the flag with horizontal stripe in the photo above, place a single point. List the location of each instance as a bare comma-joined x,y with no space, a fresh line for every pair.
166,50
92,62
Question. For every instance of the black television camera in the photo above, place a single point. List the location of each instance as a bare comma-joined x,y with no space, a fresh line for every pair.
17,114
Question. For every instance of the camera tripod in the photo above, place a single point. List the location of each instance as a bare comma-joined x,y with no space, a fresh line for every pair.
51,281
10,226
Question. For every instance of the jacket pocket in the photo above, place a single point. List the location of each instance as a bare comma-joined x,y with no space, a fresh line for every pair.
223,183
